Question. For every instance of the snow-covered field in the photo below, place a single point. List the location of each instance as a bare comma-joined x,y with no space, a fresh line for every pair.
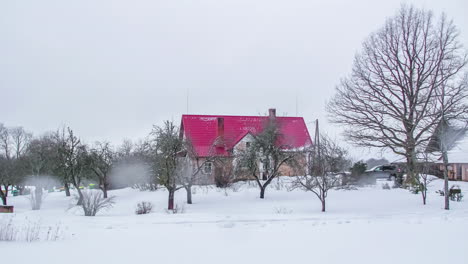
368,225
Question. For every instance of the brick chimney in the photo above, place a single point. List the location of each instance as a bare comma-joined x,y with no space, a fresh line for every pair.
220,126
272,113
220,132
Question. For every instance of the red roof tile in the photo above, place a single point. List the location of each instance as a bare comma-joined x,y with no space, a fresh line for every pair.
202,130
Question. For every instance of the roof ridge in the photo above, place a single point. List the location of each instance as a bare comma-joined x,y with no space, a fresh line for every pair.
265,116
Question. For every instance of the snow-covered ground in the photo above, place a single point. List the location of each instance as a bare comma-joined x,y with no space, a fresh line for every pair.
368,225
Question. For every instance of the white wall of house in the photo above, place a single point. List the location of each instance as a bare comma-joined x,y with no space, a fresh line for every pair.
242,144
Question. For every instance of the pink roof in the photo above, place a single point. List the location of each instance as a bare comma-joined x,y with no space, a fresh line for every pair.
202,130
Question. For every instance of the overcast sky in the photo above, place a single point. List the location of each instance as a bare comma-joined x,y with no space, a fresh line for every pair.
110,69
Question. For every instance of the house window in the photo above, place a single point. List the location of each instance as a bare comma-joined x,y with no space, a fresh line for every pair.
247,145
208,168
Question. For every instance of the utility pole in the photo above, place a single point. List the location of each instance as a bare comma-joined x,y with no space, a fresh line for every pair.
297,107
187,101
317,155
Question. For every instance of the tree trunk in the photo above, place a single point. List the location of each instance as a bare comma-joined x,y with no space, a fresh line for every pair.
170,200
4,198
104,191
67,189
411,168
80,196
446,188
424,194
323,204
264,186
262,192
103,185
4,194
188,189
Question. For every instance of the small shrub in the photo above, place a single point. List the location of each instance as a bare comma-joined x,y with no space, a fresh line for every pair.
458,197
32,230
29,231
223,181
397,181
386,186
144,208
93,202
54,232
455,193
8,232
414,188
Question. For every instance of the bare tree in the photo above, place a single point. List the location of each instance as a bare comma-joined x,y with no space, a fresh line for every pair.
13,143
59,166
101,160
5,164
72,160
167,154
4,178
187,175
5,141
126,149
424,181
390,100
425,176
264,158
225,172
326,158
191,167
20,140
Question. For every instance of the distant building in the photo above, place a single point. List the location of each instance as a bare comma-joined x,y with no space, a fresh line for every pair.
222,136
458,161
457,153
